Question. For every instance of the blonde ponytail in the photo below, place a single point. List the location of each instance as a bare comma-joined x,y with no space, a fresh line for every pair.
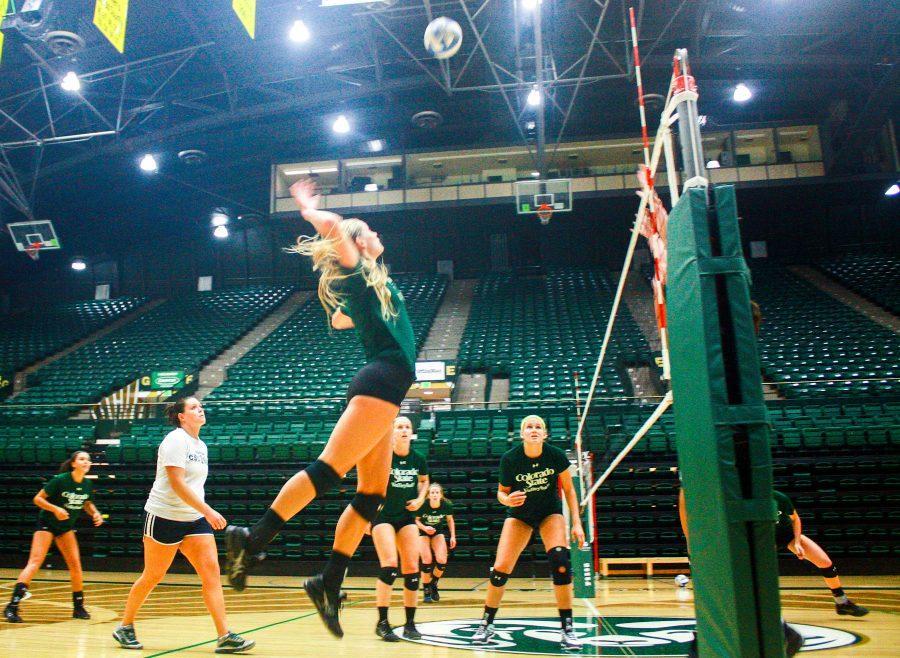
324,255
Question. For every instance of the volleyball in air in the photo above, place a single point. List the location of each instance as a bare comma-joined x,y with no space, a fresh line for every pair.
443,37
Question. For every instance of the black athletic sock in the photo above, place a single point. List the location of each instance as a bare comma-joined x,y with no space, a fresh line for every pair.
565,617
489,614
333,575
410,614
77,599
18,594
839,595
264,531
382,613
435,579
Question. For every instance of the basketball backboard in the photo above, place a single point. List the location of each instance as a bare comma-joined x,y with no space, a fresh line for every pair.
532,194
26,234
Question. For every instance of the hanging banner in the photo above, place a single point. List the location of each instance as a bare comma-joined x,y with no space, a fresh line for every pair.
111,17
3,4
246,12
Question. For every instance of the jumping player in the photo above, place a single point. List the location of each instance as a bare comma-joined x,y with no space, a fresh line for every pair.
355,289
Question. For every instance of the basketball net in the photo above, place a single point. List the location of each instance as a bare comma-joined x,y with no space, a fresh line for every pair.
34,250
544,213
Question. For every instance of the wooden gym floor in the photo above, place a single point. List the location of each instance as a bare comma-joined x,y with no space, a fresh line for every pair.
276,613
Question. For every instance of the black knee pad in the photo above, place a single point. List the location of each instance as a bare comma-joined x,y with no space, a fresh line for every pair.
388,575
829,572
411,581
323,477
440,566
428,568
498,578
560,565
367,505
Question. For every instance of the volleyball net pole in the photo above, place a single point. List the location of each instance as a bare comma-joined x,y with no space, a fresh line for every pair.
680,106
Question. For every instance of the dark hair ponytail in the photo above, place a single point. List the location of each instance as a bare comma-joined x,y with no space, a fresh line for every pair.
173,410
66,466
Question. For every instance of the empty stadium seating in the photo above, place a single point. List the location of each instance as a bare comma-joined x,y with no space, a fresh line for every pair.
25,338
307,364
541,330
874,276
812,345
181,334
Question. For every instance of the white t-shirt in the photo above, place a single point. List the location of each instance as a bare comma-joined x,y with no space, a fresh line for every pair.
178,449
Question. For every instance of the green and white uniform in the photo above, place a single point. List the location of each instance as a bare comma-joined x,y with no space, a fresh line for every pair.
538,478
402,487
63,491
436,517
390,340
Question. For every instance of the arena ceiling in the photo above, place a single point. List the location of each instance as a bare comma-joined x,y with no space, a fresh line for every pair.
191,78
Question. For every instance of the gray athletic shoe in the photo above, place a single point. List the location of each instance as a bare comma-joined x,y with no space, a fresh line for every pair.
484,633
233,643
126,638
568,640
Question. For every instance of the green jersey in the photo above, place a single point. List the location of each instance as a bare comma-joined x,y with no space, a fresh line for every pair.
65,492
538,477
403,486
436,516
392,339
785,507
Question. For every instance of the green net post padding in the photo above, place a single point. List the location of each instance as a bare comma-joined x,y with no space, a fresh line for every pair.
722,431
583,556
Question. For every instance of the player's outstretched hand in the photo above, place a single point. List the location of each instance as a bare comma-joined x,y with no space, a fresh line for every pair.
304,193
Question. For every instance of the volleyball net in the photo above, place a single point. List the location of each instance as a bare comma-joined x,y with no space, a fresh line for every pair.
651,220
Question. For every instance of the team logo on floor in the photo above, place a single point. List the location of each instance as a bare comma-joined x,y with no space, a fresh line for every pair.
606,636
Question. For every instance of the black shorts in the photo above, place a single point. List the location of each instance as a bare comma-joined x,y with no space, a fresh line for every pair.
783,537
396,524
534,522
438,531
52,528
169,532
381,379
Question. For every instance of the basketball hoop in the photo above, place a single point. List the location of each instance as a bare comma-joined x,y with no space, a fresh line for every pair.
33,250
544,213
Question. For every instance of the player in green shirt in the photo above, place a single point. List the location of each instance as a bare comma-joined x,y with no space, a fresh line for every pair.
788,534
346,254
437,531
530,478
60,500
394,530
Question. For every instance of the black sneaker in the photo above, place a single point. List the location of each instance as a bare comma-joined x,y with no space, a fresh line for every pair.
410,632
793,641
239,561
233,643
80,613
11,614
435,595
428,598
126,638
326,603
385,632
850,608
